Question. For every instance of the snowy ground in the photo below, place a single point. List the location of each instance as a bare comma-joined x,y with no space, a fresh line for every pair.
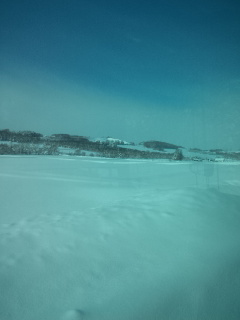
102,239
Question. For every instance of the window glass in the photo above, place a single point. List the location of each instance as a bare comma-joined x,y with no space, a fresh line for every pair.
119,159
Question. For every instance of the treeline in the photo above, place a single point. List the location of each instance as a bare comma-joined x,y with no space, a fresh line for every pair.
102,149
28,149
52,148
20,136
30,142
159,145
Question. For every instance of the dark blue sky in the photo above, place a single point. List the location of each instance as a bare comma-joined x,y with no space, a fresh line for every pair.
167,70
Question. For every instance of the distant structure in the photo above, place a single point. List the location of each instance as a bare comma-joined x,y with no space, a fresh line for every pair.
178,155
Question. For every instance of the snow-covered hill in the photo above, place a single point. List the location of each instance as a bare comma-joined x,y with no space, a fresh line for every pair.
112,141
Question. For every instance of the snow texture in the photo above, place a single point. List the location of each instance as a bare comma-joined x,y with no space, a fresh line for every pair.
104,239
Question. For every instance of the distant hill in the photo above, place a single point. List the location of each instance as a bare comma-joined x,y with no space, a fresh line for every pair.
112,141
159,145
30,142
33,143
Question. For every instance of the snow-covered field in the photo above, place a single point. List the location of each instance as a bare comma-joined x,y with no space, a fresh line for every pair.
104,239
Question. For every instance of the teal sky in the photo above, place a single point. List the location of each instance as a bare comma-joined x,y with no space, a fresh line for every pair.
136,70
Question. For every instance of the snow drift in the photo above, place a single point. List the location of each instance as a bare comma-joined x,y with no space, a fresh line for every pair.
88,238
